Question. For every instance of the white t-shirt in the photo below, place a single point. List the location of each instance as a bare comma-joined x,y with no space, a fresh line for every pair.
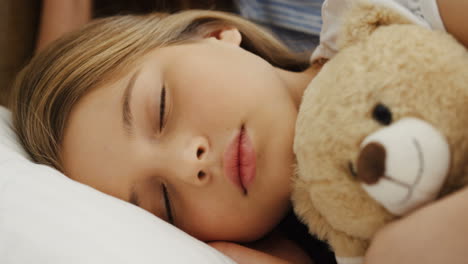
422,12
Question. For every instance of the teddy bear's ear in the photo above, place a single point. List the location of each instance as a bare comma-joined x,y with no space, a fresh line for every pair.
366,16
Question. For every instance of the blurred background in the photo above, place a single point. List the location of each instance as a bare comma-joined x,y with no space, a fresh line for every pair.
296,22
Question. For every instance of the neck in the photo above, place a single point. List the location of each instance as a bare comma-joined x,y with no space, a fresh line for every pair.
297,82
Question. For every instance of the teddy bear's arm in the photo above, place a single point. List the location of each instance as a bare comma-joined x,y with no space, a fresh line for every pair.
348,250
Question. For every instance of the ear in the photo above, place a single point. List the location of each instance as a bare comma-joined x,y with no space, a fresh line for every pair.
227,34
366,16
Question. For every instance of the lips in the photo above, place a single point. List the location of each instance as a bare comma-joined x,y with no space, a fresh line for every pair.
239,161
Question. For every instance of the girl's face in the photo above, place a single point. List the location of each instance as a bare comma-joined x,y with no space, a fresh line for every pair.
165,136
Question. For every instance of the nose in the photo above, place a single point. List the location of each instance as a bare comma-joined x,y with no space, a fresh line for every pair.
194,163
371,163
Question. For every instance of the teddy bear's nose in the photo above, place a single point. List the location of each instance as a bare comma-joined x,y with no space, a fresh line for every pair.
371,163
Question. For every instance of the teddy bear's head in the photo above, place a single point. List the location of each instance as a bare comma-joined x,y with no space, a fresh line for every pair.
383,128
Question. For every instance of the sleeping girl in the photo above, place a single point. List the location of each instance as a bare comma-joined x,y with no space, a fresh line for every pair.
191,117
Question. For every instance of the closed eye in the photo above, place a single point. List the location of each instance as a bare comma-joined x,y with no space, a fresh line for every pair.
162,108
167,204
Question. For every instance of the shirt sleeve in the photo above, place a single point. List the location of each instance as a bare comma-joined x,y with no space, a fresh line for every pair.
422,12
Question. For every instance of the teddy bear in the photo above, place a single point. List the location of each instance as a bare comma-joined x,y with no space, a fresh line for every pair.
381,130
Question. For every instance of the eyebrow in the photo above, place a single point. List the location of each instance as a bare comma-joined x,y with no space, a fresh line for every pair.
127,116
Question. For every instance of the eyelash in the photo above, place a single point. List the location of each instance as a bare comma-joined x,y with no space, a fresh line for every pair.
167,204
162,108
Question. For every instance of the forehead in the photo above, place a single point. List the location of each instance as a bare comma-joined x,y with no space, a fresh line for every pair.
93,136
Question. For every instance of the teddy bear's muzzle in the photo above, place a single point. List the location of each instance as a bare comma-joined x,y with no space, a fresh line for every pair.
404,165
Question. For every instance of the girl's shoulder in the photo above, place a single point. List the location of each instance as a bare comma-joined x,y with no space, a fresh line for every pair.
422,12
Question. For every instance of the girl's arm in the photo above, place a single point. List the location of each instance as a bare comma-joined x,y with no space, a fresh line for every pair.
244,255
454,16
61,16
273,249
437,233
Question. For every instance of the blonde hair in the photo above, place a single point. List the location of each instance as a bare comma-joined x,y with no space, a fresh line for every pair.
45,91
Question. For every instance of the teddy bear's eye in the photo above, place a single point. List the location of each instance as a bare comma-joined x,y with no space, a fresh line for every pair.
382,114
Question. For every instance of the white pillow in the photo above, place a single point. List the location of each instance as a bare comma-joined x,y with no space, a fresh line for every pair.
47,218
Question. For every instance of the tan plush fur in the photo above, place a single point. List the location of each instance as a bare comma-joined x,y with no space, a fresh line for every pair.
384,59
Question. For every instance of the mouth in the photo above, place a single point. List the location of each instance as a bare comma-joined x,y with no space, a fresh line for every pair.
410,187
240,161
